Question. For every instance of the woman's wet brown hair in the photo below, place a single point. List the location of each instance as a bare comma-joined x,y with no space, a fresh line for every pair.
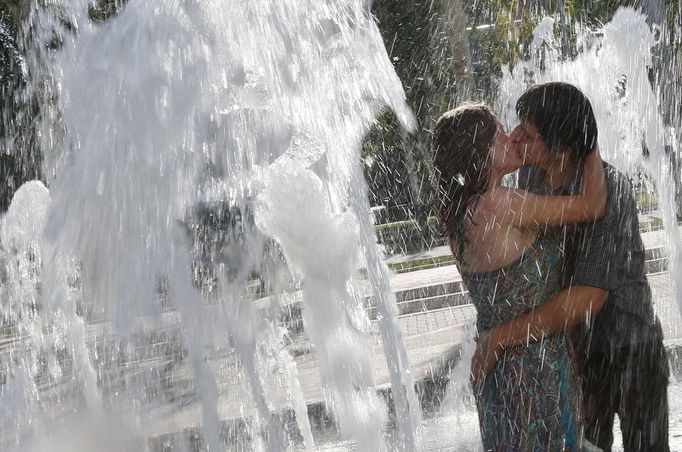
462,139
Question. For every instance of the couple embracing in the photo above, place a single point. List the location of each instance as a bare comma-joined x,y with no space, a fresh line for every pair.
555,268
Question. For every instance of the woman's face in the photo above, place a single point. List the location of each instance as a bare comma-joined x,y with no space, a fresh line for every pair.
503,153
531,147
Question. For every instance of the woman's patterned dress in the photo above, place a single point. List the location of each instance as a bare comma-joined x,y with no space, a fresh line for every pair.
530,400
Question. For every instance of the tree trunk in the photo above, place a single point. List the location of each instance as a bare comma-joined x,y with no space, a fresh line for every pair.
459,45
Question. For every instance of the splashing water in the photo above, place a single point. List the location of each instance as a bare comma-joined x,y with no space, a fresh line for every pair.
612,69
204,182
172,113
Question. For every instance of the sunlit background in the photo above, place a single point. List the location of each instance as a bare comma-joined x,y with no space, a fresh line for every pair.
218,226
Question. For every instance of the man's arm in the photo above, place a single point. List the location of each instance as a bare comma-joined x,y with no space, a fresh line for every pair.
566,309
599,251
595,275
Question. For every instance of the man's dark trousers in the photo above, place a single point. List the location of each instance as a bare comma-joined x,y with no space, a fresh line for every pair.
630,381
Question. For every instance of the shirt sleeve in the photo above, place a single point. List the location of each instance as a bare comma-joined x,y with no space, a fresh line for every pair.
602,245
593,265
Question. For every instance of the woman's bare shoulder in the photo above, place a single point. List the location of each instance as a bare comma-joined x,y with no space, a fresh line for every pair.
492,246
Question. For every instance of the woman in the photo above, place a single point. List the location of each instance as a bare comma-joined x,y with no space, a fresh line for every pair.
530,400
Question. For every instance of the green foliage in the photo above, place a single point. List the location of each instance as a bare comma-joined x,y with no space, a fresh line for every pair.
19,159
105,9
416,37
595,11
396,226
422,263
646,200
408,235
500,31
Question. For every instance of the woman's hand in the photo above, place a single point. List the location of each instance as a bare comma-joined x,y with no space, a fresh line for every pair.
485,357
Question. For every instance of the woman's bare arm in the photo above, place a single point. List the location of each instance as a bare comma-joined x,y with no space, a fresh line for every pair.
520,208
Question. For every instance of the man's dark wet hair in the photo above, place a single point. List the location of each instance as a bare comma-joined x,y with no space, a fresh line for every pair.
563,116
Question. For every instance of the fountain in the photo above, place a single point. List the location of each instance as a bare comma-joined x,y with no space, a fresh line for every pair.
169,119
206,205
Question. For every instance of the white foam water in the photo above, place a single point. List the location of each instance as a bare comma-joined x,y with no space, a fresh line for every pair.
171,105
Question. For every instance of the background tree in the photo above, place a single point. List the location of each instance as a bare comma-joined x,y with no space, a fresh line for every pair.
444,51
19,159
427,42
20,156
444,57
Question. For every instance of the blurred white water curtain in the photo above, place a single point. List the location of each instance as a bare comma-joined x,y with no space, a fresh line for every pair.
156,123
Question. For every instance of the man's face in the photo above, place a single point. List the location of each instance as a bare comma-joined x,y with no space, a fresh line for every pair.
529,145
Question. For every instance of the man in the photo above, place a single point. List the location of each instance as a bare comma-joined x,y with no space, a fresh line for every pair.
619,345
